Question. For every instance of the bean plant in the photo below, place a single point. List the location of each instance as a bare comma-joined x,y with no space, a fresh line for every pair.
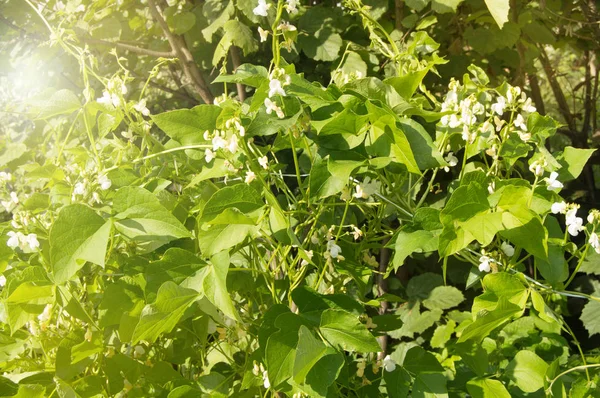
362,238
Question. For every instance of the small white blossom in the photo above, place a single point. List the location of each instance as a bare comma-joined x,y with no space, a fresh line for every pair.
499,106
32,242
2,281
262,8
367,188
286,27
250,176
264,162
209,155
218,142
275,88
451,160
528,107
520,122
264,34
138,351
45,316
574,223
559,207
233,144
104,182
595,242
389,364
484,264
272,107
292,6
553,183
508,249
333,249
5,177
141,108
13,240
79,189
241,129
266,382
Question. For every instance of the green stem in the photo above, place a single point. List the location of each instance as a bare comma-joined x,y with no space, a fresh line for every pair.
579,264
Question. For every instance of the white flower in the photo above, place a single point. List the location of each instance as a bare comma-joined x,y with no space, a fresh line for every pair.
553,183
250,176
109,99
233,144
209,155
528,107
484,264
275,88
574,223
367,188
13,240
32,241
14,198
141,108
45,316
559,207
4,176
451,160
272,107
264,34
266,382
389,364
79,189
499,106
264,162
2,281
286,27
507,249
520,122
537,168
595,242
333,249
356,232
292,6
104,182
240,128
262,8
218,142
138,351
524,136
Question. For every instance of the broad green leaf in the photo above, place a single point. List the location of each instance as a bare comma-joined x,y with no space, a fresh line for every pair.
474,356
524,228
223,15
162,316
555,269
421,286
217,238
236,34
541,126
465,202
175,265
499,10
280,354
322,375
487,388
386,140
486,323
308,352
430,385
407,243
187,126
61,102
242,197
343,329
144,219
324,45
443,298
590,316
418,360
181,22
442,334
78,235
527,370
322,183
397,383
248,74
30,391
572,161
426,154
445,6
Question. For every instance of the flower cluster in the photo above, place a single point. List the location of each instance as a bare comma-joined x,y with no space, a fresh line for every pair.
574,224
112,96
27,243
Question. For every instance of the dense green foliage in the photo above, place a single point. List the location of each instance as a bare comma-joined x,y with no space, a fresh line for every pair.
276,198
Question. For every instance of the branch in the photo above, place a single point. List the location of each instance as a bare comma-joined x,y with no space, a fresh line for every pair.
563,106
590,71
186,59
536,93
384,259
131,48
236,61
399,13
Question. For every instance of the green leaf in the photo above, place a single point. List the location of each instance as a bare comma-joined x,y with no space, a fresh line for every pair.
541,126
474,356
144,219
499,10
407,243
61,102
442,334
524,229
181,22
465,202
322,183
572,161
487,388
397,383
224,14
248,74
280,355
308,352
187,126
419,287
324,45
236,34
217,238
323,375
425,152
445,6
344,329
555,268
242,197
486,323
443,298
162,316
430,385
590,316
418,360
527,370
386,140
78,235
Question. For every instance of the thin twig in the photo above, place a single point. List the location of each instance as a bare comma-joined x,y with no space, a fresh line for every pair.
131,48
